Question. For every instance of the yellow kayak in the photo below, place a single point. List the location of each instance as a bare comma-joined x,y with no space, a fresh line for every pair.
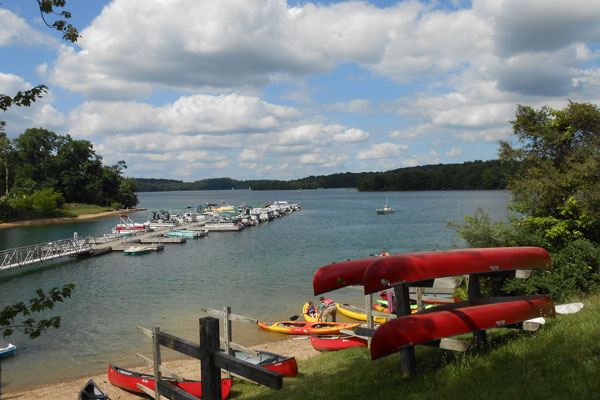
306,328
307,317
350,311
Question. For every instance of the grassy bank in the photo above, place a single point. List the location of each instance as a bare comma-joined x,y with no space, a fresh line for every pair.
76,209
560,361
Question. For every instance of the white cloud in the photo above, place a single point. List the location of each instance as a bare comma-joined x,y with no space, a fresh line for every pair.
454,152
15,30
382,150
351,135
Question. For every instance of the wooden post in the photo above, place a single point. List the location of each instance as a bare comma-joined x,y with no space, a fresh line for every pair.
419,298
474,292
370,324
408,362
227,333
209,344
157,360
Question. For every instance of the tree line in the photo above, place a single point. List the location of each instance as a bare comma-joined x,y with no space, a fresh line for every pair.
474,175
43,170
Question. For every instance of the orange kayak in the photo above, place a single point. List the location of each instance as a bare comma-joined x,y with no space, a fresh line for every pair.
306,328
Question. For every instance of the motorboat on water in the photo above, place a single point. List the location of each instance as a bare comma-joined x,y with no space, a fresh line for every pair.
386,209
7,349
126,225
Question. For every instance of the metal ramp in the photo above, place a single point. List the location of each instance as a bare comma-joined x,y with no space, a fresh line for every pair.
38,253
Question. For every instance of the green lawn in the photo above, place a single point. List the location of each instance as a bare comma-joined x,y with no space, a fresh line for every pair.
75,209
560,361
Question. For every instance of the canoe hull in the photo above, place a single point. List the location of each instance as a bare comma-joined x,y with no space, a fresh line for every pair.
306,328
379,273
91,391
283,365
411,268
455,319
329,343
128,380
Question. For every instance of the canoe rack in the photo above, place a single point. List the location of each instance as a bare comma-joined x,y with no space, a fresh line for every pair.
399,272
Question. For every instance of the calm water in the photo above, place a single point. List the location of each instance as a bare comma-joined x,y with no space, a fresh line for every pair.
264,272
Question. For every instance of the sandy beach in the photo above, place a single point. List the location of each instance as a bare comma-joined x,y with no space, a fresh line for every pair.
298,347
61,220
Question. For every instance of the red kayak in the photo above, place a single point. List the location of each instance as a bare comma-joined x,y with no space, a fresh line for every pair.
332,343
455,319
128,380
284,365
378,273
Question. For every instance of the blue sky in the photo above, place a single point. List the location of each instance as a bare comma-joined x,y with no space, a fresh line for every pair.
268,89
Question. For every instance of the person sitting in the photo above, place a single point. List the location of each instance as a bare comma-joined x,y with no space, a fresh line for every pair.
311,311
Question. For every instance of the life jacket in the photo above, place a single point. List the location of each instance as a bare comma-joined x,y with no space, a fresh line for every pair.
328,302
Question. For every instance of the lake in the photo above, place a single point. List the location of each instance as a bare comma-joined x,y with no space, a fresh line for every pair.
263,272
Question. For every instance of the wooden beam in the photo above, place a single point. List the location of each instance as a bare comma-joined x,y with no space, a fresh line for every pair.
352,333
149,391
162,369
232,317
362,331
176,393
249,371
181,345
157,360
239,347
474,293
145,331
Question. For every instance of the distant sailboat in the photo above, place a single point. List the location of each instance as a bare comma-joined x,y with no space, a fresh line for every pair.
386,209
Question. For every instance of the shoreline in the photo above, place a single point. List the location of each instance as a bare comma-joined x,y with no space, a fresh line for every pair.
62,220
297,346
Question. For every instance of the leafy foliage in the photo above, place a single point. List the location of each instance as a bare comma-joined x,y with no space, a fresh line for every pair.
556,195
10,314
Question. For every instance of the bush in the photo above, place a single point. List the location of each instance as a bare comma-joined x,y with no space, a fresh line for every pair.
115,205
46,200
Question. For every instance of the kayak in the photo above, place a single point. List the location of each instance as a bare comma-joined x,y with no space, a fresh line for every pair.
128,380
306,316
332,343
91,391
379,273
353,312
456,319
306,328
382,306
283,365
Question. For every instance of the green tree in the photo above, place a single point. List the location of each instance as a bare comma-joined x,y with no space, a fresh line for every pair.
556,195
5,152
35,149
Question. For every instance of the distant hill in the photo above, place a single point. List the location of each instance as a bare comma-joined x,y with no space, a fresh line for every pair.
472,175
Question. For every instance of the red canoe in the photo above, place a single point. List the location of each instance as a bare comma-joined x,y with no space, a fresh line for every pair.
332,343
128,380
455,319
284,365
377,273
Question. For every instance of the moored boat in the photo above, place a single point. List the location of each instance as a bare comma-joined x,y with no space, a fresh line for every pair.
137,250
126,225
91,391
7,349
386,209
128,380
306,328
333,343
284,365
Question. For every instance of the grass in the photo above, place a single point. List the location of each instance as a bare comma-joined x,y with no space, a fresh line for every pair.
560,361
76,209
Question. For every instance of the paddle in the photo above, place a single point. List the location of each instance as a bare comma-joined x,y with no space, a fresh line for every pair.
294,317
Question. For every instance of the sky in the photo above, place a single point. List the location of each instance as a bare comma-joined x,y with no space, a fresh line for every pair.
269,89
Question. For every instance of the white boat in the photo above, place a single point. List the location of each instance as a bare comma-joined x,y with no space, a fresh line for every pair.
6,349
137,250
126,225
386,209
